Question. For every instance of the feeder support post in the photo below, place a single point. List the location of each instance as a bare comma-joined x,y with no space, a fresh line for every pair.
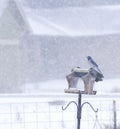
79,111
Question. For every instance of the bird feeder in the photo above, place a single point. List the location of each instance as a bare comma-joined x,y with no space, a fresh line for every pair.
88,76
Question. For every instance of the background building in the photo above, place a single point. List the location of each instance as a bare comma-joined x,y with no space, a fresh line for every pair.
39,43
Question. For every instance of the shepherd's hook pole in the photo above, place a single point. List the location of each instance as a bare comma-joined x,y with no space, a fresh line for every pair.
79,108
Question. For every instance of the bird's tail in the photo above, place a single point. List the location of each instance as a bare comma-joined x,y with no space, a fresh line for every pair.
99,70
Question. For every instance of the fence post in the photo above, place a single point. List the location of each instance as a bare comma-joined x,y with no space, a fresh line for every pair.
114,114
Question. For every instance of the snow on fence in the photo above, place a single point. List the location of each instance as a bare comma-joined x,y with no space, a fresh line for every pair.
45,111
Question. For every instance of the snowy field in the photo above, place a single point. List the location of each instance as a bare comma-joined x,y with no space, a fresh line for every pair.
43,110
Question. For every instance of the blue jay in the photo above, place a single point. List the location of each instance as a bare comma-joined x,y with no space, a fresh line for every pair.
93,63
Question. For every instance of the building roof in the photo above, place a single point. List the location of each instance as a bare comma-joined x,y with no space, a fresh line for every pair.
66,3
80,21
13,23
16,19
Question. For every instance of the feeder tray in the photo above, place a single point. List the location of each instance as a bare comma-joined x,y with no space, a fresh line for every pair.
76,91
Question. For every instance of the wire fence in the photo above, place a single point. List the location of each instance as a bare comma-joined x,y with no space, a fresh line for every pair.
45,112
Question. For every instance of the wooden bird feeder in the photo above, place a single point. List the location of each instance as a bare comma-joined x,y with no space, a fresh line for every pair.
88,76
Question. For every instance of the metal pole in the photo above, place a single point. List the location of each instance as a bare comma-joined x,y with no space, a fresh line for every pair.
79,111
114,114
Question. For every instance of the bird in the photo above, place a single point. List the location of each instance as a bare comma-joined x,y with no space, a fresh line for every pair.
93,63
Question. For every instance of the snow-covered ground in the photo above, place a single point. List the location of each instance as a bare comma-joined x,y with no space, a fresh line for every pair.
41,107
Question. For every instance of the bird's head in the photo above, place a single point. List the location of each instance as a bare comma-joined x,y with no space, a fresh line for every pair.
88,57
